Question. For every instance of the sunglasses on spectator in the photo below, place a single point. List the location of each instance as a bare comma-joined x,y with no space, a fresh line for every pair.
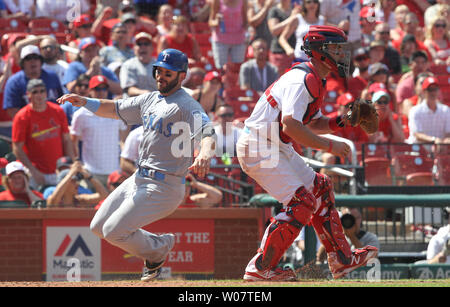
383,101
311,1
226,115
86,26
83,85
432,89
100,89
384,32
49,47
38,92
361,58
144,44
440,25
120,32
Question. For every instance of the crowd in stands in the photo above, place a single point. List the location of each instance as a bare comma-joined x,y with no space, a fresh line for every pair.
400,59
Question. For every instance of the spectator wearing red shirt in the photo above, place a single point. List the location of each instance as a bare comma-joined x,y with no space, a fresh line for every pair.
180,38
40,135
17,185
391,126
405,88
360,77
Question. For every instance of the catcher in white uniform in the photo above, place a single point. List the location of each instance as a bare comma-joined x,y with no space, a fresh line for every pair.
171,121
289,110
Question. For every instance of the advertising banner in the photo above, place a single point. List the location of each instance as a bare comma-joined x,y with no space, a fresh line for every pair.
193,252
71,251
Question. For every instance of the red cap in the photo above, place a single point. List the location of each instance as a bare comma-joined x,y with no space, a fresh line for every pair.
211,75
345,99
3,163
115,176
367,11
97,80
428,82
84,19
376,87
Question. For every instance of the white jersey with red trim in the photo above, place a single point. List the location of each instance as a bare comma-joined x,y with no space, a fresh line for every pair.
292,98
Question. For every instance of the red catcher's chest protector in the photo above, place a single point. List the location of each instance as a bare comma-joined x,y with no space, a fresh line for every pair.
316,88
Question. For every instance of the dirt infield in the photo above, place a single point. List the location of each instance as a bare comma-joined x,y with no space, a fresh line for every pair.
236,283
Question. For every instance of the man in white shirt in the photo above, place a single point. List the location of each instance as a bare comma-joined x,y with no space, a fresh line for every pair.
100,136
438,249
429,121
130,151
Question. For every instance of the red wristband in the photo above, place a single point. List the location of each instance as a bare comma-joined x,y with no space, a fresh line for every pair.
330,145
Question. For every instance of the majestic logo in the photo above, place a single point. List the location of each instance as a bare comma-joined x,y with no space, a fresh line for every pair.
72,249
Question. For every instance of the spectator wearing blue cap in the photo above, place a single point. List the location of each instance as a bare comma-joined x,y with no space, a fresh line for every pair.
89,63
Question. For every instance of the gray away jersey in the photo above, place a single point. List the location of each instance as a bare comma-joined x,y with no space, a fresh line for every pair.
170,126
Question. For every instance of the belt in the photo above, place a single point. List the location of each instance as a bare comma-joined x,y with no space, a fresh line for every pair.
157,175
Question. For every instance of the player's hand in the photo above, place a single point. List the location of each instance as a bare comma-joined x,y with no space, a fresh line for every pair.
74,99
340,149
200,167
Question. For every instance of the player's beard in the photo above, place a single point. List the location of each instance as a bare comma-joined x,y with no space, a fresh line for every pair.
166,89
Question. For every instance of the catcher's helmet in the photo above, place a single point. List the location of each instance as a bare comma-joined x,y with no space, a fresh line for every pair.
315,44
172,59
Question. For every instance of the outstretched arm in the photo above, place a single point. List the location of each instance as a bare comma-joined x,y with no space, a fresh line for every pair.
100,107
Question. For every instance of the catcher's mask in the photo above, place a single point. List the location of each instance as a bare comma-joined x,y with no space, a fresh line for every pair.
317,43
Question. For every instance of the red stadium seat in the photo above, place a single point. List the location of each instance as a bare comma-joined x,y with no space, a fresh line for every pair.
405,164
200,27
420,179
377,171
396,149
242,109
375,150
203,39
236,93
440,69
10,25
46,25
328,108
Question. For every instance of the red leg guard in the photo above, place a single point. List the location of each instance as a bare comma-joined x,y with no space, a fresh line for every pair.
280,234
327,223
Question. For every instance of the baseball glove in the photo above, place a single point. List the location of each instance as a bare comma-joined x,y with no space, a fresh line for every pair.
363,113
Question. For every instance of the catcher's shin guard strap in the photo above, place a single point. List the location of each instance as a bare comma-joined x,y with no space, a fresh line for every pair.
277,239
331,234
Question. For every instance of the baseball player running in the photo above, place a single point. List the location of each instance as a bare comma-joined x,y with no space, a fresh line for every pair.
266,154
172,120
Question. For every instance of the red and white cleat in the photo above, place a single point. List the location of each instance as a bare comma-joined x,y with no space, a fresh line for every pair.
271,275
359,258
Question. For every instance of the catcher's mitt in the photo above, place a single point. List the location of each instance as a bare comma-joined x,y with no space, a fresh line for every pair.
363,113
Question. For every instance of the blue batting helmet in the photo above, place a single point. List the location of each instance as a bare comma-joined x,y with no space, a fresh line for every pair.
171,59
